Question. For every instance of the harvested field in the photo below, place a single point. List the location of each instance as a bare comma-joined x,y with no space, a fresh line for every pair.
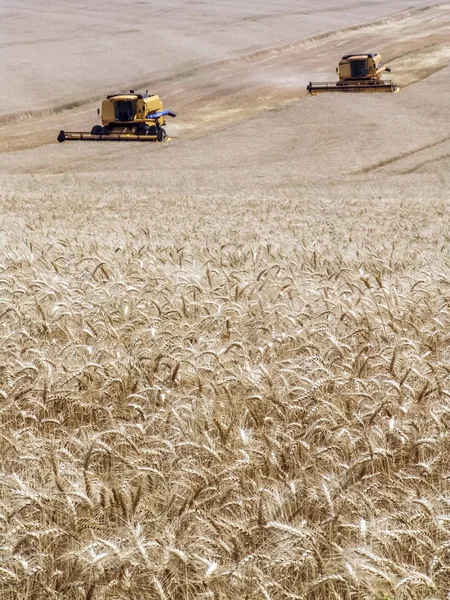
225,360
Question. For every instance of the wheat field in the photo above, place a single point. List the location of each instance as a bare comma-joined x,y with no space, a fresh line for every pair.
225,361
261,418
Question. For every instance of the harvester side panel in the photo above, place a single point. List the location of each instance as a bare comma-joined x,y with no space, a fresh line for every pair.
108,115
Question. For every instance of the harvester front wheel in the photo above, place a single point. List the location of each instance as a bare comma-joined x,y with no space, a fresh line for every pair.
143,129
97,130
161,134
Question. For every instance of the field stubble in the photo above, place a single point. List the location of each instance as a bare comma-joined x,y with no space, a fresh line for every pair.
184,418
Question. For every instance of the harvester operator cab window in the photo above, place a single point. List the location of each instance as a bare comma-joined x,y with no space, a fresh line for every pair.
125,110
359,68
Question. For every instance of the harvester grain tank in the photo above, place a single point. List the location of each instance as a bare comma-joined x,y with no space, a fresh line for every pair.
357,73
132,117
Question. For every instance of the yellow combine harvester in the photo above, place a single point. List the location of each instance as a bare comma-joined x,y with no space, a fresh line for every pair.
357,73
129,117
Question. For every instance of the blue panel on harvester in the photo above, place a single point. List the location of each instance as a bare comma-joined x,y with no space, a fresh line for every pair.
161,113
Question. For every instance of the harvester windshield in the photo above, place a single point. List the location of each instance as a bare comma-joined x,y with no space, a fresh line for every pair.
125,110
359,68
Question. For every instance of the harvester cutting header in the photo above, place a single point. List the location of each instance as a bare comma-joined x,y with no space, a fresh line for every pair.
357,73
133,117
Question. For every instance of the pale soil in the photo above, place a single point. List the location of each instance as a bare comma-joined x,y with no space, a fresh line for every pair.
63,52
225,358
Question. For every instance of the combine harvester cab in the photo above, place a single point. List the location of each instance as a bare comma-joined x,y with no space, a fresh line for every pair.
133,117
357,73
